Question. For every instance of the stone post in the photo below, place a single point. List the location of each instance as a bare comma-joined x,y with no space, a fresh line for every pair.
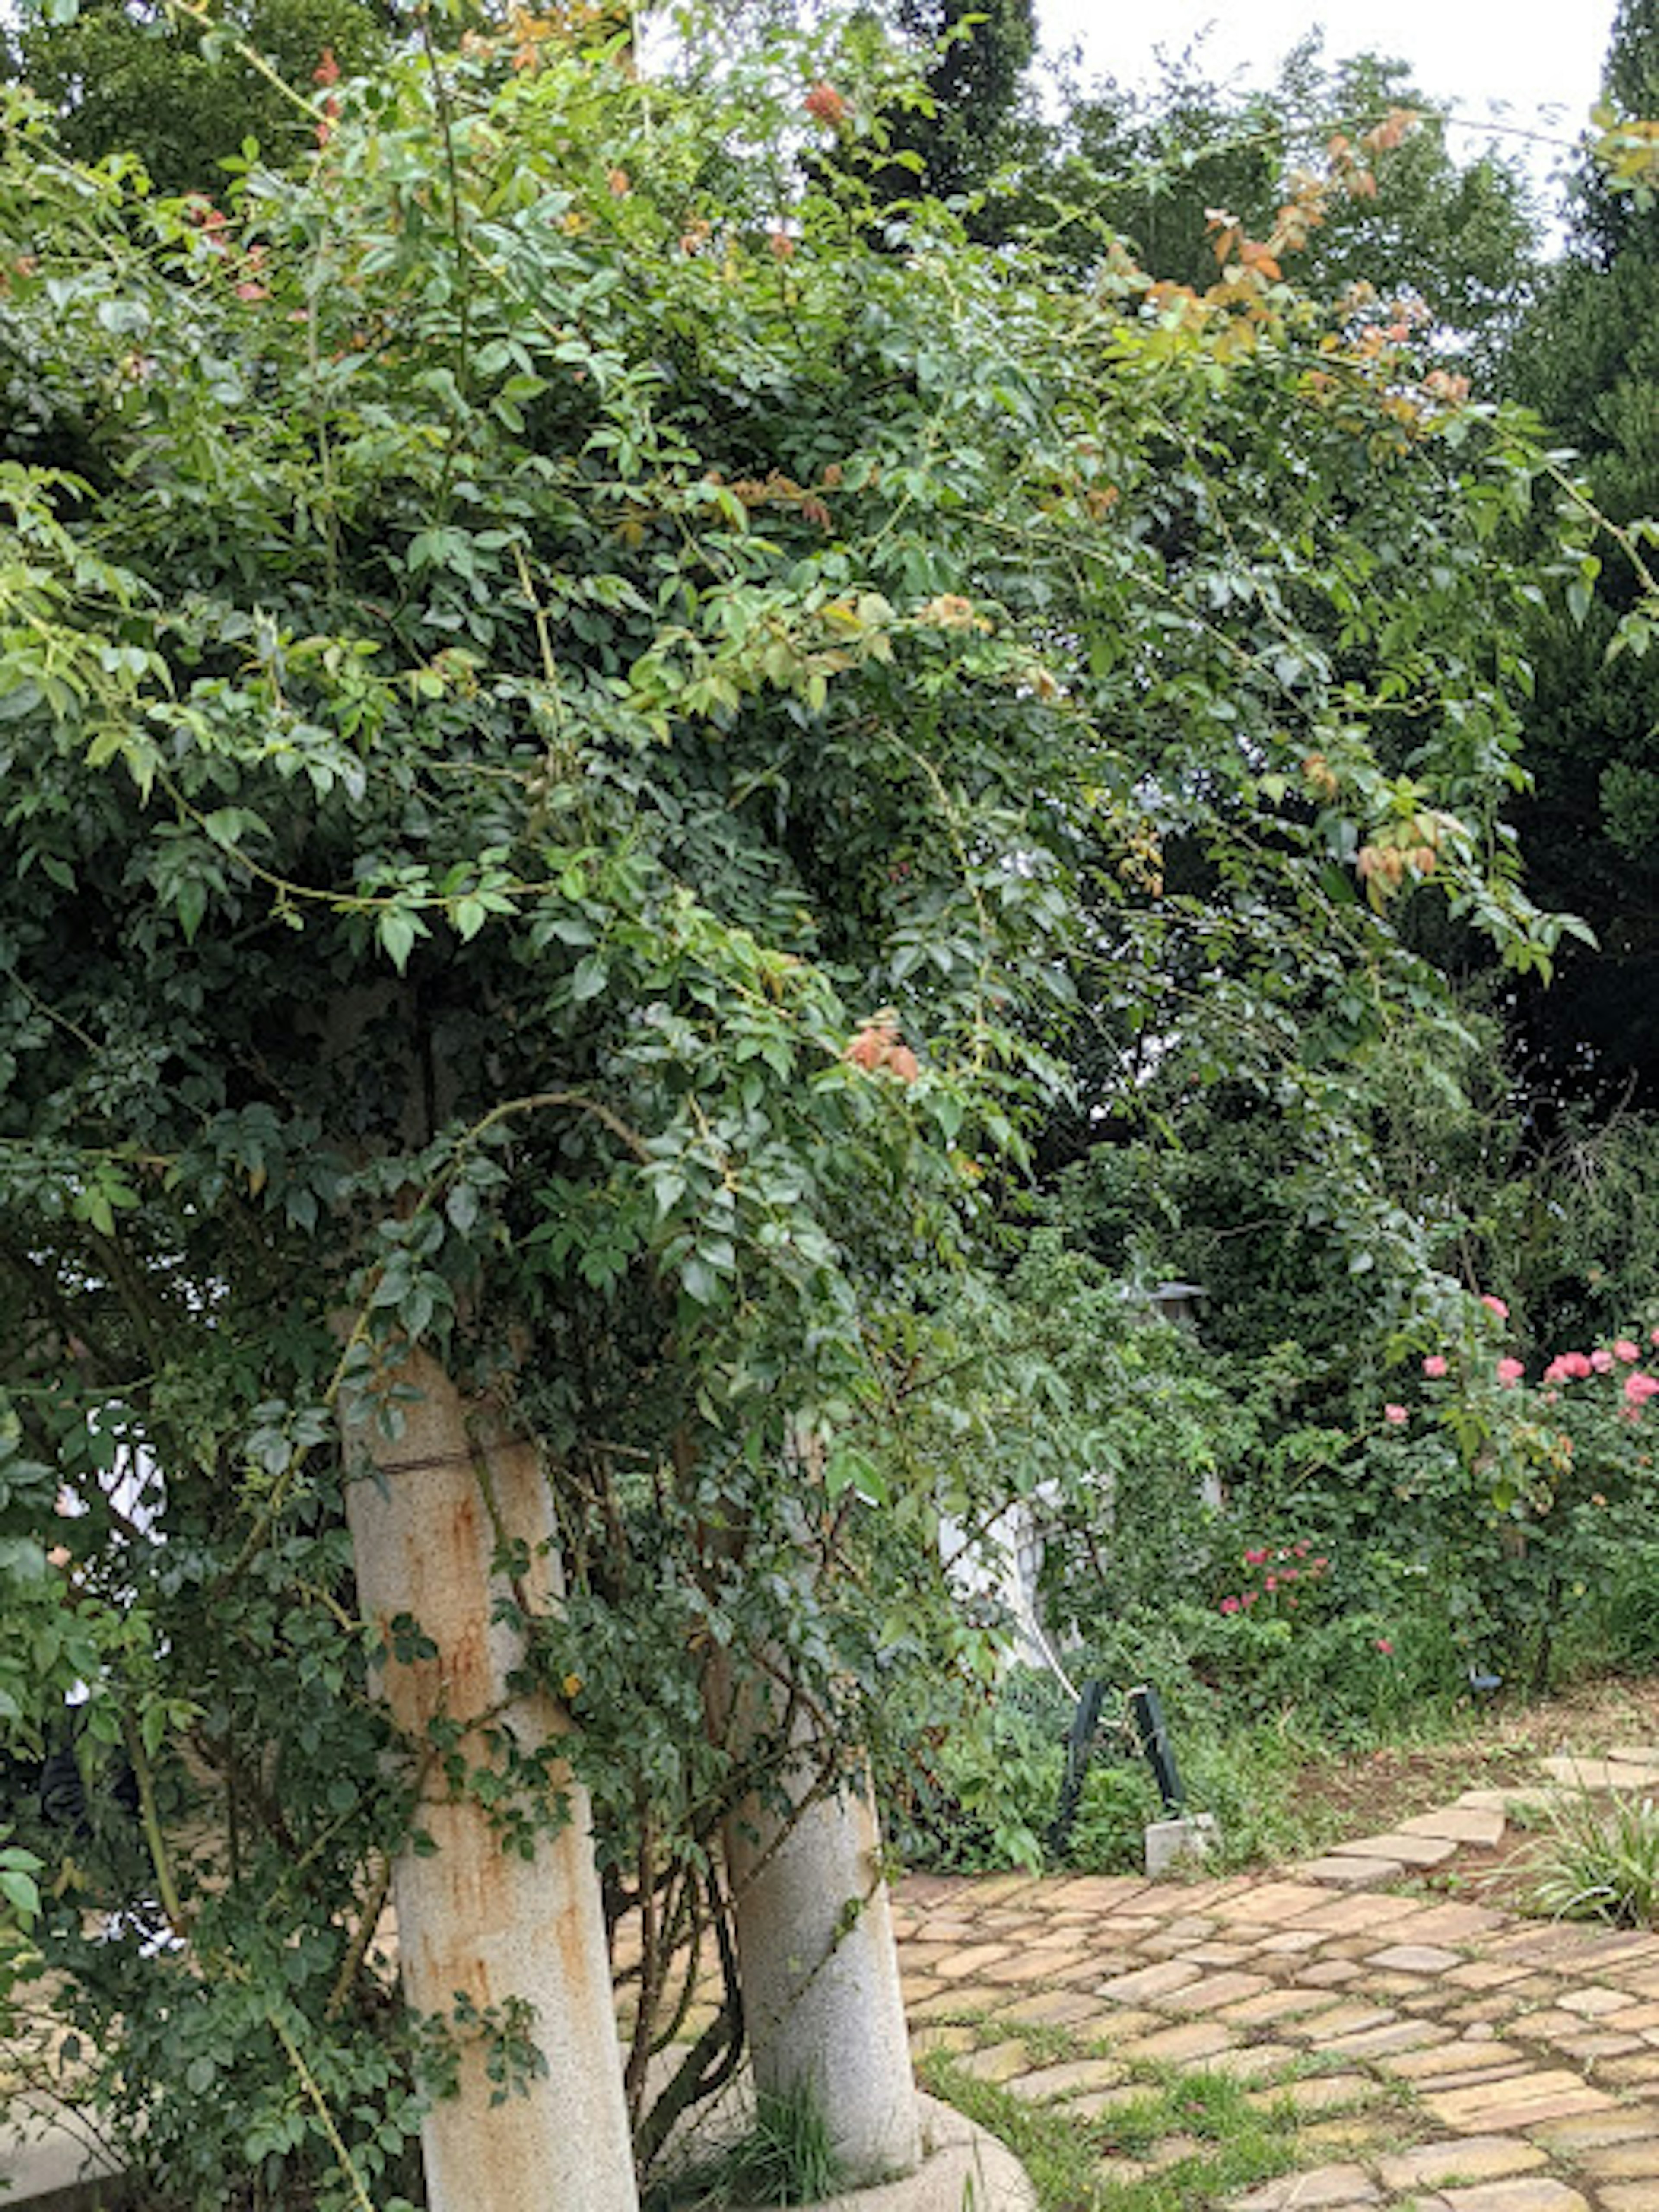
473,1917
819,1970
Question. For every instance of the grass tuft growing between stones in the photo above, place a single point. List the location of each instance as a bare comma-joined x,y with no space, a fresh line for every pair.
1223,2143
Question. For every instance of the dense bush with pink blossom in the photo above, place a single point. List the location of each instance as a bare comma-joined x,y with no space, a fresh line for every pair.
1522,1483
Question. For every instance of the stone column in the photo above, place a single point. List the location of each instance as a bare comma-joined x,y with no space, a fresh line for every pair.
819,1969
472,1917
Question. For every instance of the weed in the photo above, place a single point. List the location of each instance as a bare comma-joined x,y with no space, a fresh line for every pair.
785,2158
1599,1861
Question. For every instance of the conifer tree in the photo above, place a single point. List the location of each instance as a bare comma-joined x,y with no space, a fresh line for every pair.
1588,359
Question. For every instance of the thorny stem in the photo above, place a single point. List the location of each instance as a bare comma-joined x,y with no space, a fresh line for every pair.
307,2080
161,1858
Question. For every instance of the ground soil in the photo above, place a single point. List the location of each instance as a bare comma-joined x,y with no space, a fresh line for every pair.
1500,1747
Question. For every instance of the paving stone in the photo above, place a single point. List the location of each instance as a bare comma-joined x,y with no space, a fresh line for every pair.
1253,2062
948,2004
1096,1893
1289,1942
1146,1983
1385,2039
1032,1965
1413,1959
1601,1773
1461,2159
1377,1918
1091,1967
1521,2100
1271,1901
1439,2066
1329,1973
1320,2093
1193,2038
1635,2019
1214,1991
1641,2072
1114,2027
961,1965
1637,2160
1629,2196
1104,2100
1278,2004
1345,2019
1475,2015
1594,2001
1345,1870
1050,2081
1529,2192
1592,2049
1358,2134
993,1889
1464,1824
1321,2185
940,2037
969,1997
1209,1896
1485,1974
1545,2027
998,2062
1452,1923
1410,1850
1570,2138
1221,1954
1052,2008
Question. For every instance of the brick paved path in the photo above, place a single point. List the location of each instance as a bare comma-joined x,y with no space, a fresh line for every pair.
1440,2056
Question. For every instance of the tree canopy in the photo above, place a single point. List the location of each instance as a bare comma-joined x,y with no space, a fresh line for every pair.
584,725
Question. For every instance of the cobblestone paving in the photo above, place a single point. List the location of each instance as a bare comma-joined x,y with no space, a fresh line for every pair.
1529,2050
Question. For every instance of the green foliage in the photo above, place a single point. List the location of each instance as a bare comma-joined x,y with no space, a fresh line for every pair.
1408,221
1069,2162
1585,357
171,86
577,736
784,2157
1598,1859
973,81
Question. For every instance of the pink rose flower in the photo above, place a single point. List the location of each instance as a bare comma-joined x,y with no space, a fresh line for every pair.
1495,1306
1601,1361
1510,1372
1230,1605
1396,1416
1577,1364
1625,1350
1435,1366
1639,1386
1385,1647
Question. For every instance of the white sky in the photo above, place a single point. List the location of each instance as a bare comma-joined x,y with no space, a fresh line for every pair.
1533,64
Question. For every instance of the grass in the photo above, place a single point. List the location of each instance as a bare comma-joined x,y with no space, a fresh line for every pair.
784,2158
1063,2155
1069,2155
1597,1858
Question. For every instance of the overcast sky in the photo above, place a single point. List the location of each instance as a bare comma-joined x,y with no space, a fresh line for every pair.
1533,64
